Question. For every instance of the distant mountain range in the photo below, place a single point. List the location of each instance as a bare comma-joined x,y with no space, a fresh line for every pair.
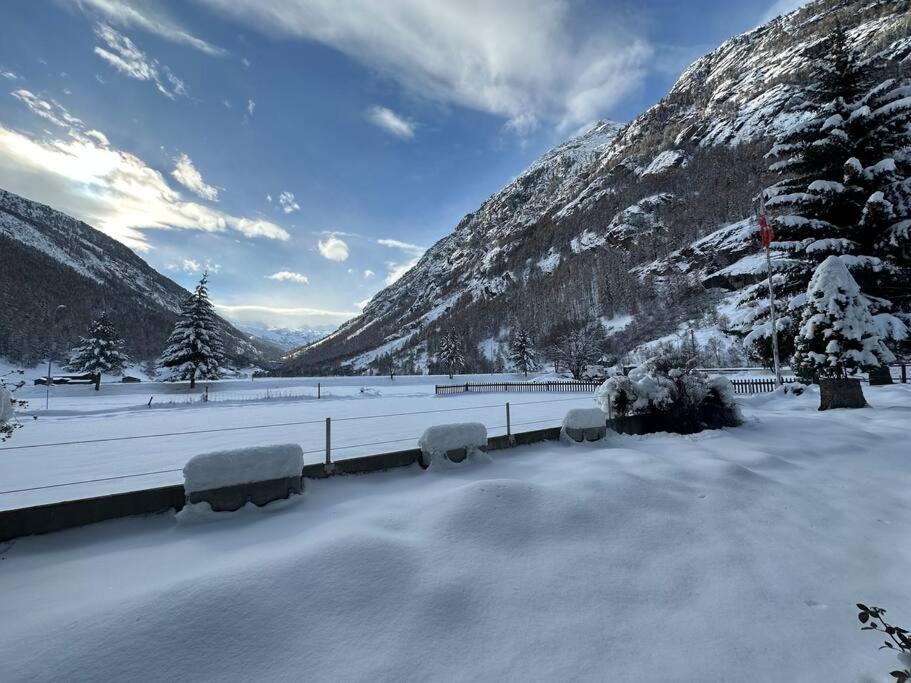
285,338
48,258
649,223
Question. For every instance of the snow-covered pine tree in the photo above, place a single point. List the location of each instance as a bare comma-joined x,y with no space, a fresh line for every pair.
100,352
194,350
450,354
837,336
839,183
522,351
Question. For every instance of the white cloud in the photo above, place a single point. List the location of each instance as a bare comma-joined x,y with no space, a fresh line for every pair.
48,110
245,62
189,176
524,60
283,316
190,266
288,276
334,249
251,105
391,122
129,14
780,7
80,173
396,269
286,199
122,54
9,75
362,303
368,274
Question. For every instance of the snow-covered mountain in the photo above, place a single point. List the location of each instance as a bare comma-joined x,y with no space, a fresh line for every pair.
650,220
48,258
285,338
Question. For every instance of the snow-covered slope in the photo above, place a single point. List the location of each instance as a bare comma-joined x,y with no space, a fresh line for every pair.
285,338
576,234
48,258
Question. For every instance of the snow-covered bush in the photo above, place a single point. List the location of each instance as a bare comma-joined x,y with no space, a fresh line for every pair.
673,394
8,422
837,336
438,441
242,466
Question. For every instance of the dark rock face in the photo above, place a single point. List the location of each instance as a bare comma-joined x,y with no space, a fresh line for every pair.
840,393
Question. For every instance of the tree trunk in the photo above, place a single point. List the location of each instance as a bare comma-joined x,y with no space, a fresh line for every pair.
193,381
840,393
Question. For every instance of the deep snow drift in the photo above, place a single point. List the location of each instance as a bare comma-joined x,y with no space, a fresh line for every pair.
728,555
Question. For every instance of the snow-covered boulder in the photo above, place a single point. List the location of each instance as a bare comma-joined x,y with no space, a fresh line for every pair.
452,442
228,479
6,405
585,424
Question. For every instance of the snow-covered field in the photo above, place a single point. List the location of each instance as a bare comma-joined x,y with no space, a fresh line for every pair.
387,415
733,555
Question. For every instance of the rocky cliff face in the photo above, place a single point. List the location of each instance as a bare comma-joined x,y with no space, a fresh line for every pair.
48,258
648,223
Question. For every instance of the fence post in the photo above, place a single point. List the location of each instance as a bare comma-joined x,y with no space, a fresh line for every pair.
904,374
328,441
319,390
508,424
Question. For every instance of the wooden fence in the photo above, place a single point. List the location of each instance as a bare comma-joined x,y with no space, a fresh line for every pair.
517,387
758,386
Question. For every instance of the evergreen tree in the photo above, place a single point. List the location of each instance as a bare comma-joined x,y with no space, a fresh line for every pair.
837,334
450,354
194,350
100,352
522,352
843,190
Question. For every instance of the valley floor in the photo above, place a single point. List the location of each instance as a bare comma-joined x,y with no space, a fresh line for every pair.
732,555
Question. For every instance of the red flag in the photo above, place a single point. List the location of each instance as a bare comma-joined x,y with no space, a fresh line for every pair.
766,234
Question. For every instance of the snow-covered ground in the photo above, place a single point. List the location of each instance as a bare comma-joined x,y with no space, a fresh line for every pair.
732,555
387,415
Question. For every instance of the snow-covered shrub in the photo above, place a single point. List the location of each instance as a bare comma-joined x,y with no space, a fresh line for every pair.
674,395
438,441
8,422
242,466
837,336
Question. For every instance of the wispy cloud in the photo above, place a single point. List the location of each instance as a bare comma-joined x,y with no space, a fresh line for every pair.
81,173
528,61
251,107
289,276
144,16
281,315
334,248
391,122
287,202
9,75
369,274
49,110
191,266
189,176
122,54
780,7
396,269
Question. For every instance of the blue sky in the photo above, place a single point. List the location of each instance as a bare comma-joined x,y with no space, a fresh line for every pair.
308,151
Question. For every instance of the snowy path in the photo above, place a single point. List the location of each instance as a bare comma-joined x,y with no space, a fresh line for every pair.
734,555
78,414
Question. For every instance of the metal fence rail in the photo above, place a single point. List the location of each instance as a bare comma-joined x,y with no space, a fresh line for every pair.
516,387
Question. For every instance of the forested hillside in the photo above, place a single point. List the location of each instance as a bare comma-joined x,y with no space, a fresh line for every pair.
646,230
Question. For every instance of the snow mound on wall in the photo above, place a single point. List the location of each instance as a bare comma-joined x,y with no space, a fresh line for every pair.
584,418
242,466
436,440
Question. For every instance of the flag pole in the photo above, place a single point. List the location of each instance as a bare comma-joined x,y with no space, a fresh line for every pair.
766,235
